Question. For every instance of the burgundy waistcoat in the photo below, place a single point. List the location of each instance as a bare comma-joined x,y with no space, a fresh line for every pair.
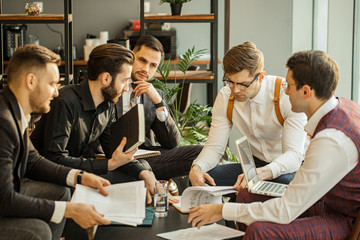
344,197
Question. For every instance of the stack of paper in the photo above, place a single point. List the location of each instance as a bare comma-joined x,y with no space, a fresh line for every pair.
125,203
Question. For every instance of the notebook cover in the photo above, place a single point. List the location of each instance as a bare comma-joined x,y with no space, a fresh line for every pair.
130,125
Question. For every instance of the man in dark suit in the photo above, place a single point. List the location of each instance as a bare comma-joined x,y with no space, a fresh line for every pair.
32,205
173,161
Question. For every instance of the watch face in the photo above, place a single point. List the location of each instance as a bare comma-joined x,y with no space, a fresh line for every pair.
79,178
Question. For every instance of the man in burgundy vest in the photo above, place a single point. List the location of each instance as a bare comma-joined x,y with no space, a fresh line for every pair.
324,198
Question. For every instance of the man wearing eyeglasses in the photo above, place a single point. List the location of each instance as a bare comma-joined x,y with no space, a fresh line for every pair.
277,147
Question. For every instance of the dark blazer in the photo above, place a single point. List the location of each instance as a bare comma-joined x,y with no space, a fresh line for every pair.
19,159
167,134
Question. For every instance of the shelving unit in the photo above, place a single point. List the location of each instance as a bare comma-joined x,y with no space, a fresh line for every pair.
209,76
65,19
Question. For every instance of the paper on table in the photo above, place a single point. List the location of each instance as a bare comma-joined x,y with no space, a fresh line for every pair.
210,232
125,202
195,196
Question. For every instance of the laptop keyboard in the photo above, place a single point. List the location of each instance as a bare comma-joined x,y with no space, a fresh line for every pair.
270,187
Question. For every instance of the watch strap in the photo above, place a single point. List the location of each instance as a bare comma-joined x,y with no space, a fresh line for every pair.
160,104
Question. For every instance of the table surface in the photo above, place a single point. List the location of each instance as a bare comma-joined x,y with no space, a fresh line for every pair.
174,221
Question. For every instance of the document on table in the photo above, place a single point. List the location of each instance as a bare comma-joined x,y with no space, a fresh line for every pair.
196,196
125,203
209,232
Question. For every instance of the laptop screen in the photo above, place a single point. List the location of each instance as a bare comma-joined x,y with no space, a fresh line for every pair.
245,155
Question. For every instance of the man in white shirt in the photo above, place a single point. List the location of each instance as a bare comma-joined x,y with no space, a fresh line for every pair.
324,198
277,148
33,191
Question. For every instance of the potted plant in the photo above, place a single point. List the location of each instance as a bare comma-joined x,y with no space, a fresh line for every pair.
176,5
194,122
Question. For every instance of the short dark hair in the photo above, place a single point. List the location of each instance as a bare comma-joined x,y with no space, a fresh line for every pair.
316,69
109,58
243,56
30,57
150,42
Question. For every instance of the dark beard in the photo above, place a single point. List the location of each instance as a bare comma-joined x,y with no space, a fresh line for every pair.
109,93
133,77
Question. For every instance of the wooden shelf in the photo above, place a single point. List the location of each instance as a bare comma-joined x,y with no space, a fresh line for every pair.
197,62
175,61
183,18
38,18
190,75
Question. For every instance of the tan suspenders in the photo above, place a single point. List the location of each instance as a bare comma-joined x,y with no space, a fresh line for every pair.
230,107
276,101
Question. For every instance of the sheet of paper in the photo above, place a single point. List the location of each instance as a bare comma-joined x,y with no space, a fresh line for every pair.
198,195
125,201
210,232
197,198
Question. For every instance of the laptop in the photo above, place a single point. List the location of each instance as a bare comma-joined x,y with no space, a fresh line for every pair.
248,165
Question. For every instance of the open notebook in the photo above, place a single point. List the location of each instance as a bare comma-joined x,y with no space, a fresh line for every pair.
252,179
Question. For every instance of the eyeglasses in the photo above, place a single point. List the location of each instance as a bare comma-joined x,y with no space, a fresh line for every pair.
242,86
286,84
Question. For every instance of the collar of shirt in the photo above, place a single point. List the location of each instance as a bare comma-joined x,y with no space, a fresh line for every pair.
126,99
24,119
86,97
320,113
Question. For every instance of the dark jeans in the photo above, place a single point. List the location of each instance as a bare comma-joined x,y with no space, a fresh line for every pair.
34,228
227,174
174,162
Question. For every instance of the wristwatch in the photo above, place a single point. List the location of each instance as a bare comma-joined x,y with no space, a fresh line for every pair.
160,104
79,177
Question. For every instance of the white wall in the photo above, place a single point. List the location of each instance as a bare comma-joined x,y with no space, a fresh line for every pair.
301,25
356,63
269,25
340,42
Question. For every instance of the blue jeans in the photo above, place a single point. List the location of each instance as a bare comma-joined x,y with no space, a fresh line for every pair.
227,174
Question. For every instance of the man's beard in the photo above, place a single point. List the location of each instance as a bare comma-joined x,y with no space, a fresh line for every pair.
109,93
134,78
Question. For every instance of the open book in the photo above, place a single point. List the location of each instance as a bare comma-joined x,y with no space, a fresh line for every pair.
196,196
125,203
130,125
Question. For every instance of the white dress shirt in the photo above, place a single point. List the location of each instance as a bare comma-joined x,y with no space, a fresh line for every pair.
281,146
161,115
330,156
60,206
